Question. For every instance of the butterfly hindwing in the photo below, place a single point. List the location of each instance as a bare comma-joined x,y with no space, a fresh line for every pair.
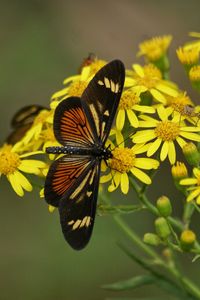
71,126
63,175
101,97
78,207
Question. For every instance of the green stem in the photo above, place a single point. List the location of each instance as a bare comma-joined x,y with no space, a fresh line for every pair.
185,283
133,236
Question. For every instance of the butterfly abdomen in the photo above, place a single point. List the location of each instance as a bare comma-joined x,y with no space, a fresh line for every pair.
100,152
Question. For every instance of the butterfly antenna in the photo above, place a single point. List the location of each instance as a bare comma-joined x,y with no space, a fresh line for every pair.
130,134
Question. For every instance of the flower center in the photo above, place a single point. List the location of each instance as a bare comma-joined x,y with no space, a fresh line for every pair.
167,131
9,161
180,102
128,100
152,76
123,159
155,47
77,87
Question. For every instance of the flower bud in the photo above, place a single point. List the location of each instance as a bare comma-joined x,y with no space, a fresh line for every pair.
191,154
187,239
179,171
162,228
151,239
164,206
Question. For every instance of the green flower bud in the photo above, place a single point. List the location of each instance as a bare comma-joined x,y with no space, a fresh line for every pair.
151,239
164,206
191,154
162,228
187,239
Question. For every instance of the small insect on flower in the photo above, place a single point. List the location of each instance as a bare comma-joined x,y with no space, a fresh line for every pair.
82,126
22,122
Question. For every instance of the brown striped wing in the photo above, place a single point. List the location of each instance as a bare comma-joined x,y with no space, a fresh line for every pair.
63,174
71,125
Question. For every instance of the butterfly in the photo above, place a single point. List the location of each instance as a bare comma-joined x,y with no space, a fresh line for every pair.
22,121
82,126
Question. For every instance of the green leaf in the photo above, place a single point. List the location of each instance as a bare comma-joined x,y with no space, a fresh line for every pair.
130,283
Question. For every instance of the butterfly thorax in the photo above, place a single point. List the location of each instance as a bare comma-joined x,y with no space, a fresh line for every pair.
97,150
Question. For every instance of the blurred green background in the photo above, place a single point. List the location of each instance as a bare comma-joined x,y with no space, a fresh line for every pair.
42,42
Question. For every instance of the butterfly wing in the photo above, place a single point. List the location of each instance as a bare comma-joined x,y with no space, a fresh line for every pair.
63,175
101,97
71,125
78,207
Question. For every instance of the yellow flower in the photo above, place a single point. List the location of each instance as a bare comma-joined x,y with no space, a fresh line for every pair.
76,84
193,44
179,171
125,160
155,47
194,183
149,78
12,165
164,133
188,56
129,103
194,74
44,118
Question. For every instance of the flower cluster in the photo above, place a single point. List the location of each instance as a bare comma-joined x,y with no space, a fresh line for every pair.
156,122
153,119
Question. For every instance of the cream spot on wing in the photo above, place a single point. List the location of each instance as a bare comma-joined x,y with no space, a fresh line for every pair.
106,113
112,86
76,224
89,193
70,222
87,224
107,82
84,221
117,88
100,82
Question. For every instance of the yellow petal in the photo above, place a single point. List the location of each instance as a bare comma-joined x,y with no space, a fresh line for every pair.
158,96
144,136
172,153
120,120
124,183
154,147
132,118
144,108
146,163
164,151
190,136
188,181
138,69
162,113
181,141
141,175
193,195
167,90
23,181
15,184
196,172
105,178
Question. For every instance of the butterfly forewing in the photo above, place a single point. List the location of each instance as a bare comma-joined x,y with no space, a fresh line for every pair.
71,126
101,97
